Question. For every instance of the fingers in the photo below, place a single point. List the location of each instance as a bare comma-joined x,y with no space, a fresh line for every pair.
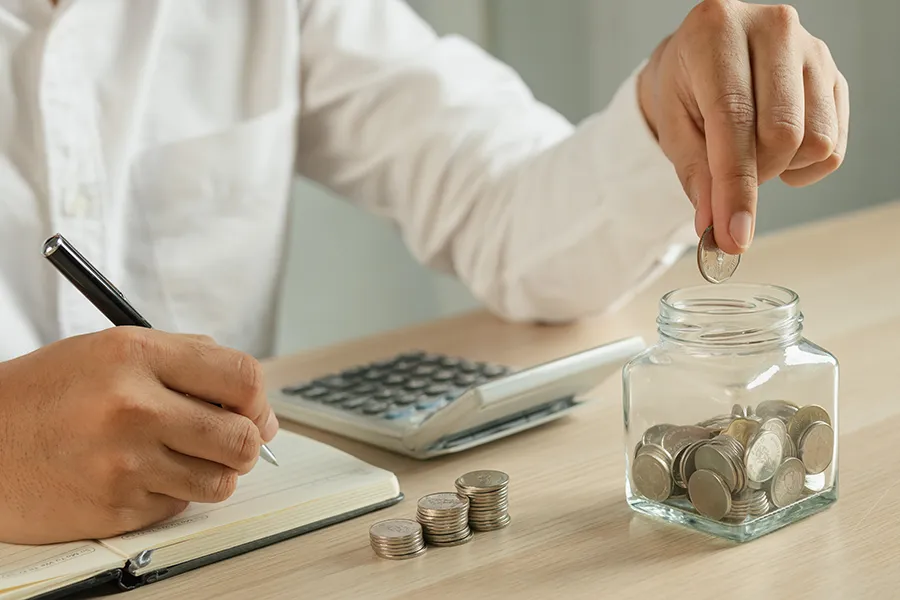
194,428
191,479
725,98
815,172
680,134
201,369
779,90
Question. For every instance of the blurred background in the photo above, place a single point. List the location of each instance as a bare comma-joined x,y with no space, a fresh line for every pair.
349,274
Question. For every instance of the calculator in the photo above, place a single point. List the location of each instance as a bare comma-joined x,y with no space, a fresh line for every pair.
423,405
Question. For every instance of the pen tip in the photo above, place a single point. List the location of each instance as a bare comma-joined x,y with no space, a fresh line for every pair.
267,455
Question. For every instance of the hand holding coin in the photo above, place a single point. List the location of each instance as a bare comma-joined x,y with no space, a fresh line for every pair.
740,94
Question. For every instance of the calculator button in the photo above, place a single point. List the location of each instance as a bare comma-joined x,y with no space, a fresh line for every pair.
335,398
425,370
354,402
404,365
354,372
316,392
383,394
416,384
394,379
450,361
405,398
365,388
374,407
465,380
431,359
374,375
397,412
467,366
296,390
427,402
442,376
436,390
493,370
336,383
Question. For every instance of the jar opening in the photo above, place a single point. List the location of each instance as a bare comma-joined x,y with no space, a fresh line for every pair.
730,314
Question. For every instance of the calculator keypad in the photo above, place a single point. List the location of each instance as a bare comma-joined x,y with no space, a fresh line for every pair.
408,386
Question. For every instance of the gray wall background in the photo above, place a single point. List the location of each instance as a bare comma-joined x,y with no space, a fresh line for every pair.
349,275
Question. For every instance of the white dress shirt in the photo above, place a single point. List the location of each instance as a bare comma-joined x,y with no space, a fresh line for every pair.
161,138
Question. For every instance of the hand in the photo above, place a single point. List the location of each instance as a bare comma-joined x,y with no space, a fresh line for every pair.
98,438
738,95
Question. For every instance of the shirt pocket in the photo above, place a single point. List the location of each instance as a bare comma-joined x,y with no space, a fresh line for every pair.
206,221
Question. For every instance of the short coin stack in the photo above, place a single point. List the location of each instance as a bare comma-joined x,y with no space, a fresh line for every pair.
397,538
737,466
488,494
444,518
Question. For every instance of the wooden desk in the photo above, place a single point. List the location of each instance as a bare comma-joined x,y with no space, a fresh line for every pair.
572,535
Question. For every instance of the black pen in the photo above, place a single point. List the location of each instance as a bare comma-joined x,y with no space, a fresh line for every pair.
102,294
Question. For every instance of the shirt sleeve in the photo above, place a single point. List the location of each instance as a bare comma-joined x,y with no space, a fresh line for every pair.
540,219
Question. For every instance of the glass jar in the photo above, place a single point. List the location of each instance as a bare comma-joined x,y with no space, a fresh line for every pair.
731,417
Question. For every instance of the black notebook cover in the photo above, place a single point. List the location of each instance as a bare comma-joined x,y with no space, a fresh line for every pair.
125,580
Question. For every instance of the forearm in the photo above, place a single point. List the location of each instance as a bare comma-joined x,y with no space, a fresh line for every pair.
540,219
577,227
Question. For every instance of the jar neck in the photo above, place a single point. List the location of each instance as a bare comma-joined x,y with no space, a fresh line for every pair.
731,316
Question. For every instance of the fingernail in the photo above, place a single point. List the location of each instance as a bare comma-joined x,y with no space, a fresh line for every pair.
740,227
271,427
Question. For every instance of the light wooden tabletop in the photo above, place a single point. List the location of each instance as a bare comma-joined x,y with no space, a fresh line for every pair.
572,535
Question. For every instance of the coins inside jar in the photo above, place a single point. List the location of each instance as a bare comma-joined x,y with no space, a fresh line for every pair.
736,466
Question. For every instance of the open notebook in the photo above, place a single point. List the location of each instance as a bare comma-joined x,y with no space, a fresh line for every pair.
315,486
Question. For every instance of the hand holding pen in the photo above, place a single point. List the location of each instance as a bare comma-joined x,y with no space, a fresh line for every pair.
113,304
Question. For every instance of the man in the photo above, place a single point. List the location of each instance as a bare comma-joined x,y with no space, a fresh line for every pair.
161,136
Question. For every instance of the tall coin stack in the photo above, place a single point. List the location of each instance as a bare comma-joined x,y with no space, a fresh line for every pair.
488,494
444,517
397,538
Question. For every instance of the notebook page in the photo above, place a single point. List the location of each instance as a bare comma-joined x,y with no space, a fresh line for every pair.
26,565
308,470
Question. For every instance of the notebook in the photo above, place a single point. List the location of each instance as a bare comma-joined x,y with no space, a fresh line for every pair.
315,485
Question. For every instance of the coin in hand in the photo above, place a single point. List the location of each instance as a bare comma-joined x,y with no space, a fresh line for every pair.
715,266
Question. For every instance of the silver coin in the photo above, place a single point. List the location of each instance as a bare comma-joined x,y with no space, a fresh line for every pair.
395,529
763,455
709,494
678,438
652,477
805,417
714,458
654,434
781,409
816,447
715,266
443,501
787,483
485,480
777,426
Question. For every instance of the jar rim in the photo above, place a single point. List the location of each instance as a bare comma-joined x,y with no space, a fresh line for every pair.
787,299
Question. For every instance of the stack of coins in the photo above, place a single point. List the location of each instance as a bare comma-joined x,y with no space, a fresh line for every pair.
397,539
737,466
488,494
444,517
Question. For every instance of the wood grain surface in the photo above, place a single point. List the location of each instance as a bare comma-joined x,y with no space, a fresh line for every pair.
572,535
